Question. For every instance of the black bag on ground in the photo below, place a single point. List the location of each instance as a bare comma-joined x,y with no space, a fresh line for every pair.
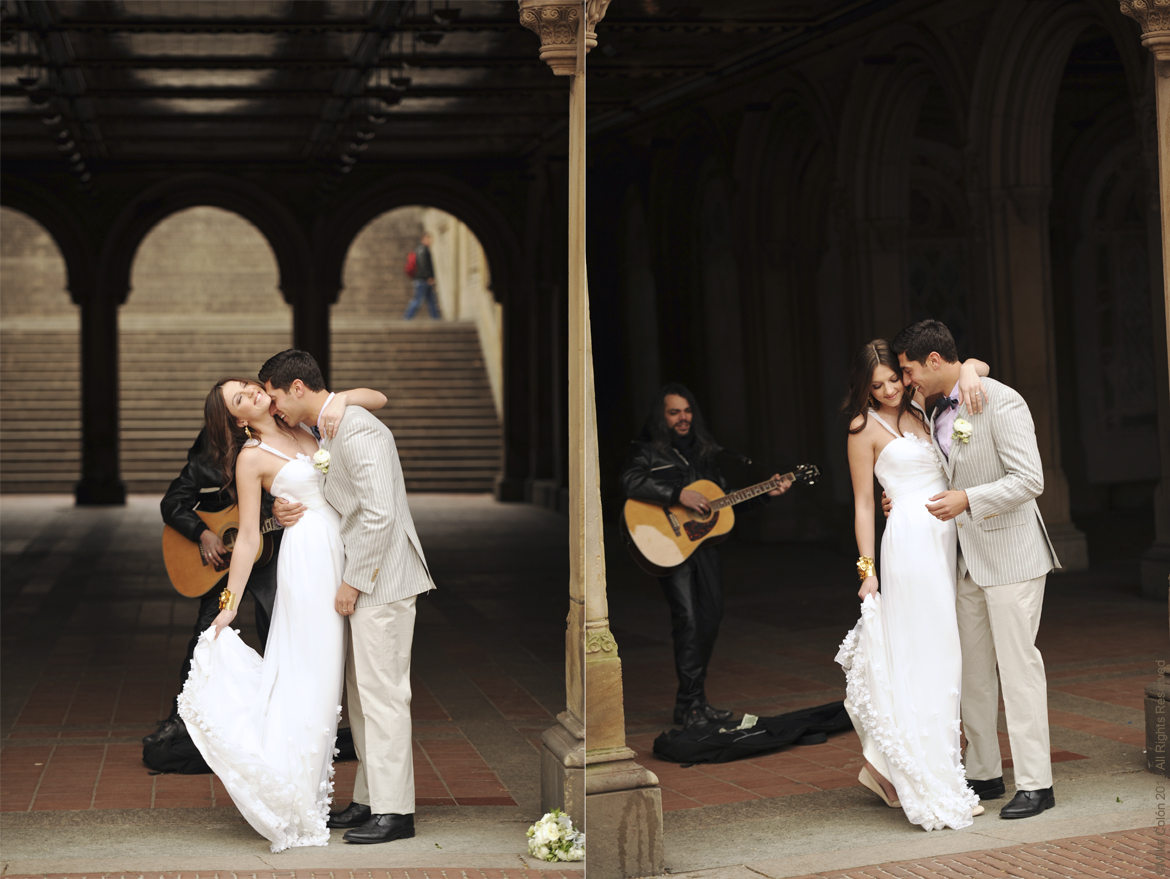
345,745
709,744
176,753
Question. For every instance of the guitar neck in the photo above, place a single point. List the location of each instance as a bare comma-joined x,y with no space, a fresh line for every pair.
267,526
746,494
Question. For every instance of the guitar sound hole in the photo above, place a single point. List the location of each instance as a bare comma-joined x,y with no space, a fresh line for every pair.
699,530
229,538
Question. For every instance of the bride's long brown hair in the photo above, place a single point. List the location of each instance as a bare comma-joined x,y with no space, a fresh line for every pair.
860,399
225,438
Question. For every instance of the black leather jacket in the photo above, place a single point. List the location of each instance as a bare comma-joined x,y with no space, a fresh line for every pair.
198,484
658,477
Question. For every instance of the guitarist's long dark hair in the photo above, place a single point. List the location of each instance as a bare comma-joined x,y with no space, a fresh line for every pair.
225,438
660,435
860,397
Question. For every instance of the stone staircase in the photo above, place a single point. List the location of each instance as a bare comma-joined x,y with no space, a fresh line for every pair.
40,410
440,406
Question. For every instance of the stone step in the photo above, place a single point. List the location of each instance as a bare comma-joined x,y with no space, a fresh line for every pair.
441,410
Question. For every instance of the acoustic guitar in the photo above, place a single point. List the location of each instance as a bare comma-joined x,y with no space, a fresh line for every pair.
192,573
662,538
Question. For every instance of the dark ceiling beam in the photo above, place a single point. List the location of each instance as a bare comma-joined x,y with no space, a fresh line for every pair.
233,25
264,62
260,120
269,93
635,67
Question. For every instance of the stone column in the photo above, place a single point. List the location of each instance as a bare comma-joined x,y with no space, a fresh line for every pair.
101,477
311,321
1017,223
1154,17
590,771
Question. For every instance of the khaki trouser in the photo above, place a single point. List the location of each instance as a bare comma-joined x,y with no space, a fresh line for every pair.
997,625
377,680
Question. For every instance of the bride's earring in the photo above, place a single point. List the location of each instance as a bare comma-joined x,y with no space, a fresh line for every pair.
247,432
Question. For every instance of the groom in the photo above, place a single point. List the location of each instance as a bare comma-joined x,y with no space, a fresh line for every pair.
385,570
993,468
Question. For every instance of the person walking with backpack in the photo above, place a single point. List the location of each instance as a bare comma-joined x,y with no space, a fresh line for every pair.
421,270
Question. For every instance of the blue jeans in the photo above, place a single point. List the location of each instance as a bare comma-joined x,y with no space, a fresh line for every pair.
423,292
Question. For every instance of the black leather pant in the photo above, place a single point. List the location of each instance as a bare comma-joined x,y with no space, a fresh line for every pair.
209,610
695,595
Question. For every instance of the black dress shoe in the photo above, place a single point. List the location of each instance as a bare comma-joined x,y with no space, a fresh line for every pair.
382,828
353,815
166,729
715,715
992,789
1027,803
694,717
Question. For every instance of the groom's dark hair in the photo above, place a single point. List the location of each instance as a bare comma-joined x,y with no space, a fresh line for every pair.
286,367
918,340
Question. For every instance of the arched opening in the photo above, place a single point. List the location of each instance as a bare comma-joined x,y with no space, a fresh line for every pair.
441,368
204,303
40,373
1100,223
938,245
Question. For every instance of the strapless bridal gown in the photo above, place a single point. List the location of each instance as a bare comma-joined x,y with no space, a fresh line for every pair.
267,726
902,663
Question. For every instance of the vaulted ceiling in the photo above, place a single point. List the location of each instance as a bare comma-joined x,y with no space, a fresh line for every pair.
325,84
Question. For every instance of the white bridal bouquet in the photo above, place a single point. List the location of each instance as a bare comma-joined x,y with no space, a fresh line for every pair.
553,838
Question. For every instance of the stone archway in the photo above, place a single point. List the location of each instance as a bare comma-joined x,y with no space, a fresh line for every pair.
204,303
336,231
443,376
40,387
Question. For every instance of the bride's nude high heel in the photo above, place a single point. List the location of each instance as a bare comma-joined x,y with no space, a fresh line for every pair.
866,778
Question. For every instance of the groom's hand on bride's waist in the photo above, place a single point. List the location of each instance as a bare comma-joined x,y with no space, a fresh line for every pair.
287,513
347,597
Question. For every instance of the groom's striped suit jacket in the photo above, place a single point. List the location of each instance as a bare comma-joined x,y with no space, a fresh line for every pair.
383,556
1002,538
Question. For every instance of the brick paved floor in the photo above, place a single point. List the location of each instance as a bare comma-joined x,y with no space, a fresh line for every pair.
1108,856
405,873
93,638
787,609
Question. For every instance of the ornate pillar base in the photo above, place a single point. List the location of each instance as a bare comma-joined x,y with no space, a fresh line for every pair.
1071,546
562,769
1155,571
625,821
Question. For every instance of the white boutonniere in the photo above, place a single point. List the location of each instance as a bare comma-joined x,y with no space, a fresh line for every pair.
963,430
321,460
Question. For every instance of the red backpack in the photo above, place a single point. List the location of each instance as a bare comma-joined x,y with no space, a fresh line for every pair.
411,264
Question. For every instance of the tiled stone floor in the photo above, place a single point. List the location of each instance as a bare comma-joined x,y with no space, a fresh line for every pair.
93,638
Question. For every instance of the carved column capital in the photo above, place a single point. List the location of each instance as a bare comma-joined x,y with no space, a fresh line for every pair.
557,22
1154,17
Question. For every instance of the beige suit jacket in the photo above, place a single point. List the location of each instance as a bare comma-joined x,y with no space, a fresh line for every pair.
1002,538
383,556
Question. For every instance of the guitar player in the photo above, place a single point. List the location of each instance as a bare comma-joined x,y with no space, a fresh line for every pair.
674,450
198,485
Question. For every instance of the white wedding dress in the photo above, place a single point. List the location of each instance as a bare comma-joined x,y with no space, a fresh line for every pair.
267,726
902,663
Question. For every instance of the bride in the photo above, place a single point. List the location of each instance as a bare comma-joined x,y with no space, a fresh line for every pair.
266,726
902,663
